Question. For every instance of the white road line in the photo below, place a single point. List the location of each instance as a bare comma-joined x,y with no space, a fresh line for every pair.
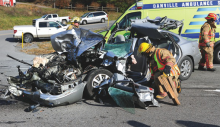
217,90
6,34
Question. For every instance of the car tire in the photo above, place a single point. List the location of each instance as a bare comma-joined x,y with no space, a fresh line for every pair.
102,20
186,68
28,38
217,55
93,79
64,22
84,22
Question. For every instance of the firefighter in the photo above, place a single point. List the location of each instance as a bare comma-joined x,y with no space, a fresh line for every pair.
74,24
206,42
160,61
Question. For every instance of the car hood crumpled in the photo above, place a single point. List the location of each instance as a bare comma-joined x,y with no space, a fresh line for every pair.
75,41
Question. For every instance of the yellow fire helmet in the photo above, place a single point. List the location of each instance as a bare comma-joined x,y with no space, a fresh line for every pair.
75,20
144,48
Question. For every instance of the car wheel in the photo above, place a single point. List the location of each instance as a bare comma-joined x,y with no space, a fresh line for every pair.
95,78
217,55
64,22
28,38
186,67
102,20
84,22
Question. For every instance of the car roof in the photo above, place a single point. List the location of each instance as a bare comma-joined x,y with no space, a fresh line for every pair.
153,28
97,11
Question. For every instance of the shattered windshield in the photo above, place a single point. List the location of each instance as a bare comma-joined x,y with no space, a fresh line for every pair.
119,49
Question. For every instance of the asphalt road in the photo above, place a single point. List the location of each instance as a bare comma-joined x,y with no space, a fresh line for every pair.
200,103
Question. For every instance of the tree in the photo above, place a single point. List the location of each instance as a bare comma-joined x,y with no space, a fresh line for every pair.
62,3
122,4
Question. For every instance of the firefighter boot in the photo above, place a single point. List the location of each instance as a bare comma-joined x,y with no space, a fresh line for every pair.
201,68
211,69
161,95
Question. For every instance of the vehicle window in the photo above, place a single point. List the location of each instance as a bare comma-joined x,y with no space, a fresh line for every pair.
54,16
90,15
99,14
102,13
60,23
119,49
42,24
125,22
176,39
96,14
84,15
49,16
34,22
43,16
53,24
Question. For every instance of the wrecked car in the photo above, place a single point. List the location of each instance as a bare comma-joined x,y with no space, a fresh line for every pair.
83,61
59,78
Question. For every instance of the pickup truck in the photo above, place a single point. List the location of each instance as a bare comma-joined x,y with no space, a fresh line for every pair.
55,17
41,29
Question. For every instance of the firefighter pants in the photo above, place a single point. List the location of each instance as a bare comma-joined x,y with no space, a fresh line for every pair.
207,57
157,86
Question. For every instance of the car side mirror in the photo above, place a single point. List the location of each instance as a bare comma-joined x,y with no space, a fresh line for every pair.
58,26
46,18
117,25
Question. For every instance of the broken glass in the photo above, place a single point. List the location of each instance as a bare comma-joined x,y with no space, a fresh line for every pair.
123,99
119,49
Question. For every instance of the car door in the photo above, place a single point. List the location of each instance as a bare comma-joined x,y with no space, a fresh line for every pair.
96,16
54,27
42,30
55,18
90,18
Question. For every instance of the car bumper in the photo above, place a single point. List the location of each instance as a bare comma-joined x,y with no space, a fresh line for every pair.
15,36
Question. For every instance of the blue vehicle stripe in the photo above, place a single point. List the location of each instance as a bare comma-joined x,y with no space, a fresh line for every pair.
200,16
207,3
206,9
192,31
196,35
197,23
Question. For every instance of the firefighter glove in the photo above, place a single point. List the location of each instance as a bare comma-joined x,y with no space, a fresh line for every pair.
208,44
167,69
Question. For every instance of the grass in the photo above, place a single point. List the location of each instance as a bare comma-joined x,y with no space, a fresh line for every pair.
24,14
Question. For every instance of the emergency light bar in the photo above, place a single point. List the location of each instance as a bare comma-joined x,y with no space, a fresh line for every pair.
139,5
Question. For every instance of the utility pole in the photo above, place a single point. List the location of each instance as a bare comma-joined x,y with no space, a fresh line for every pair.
54,6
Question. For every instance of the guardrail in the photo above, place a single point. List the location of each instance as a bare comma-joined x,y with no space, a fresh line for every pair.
92,8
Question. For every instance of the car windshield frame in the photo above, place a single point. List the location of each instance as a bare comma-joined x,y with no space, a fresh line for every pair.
84,15
44,16
60,23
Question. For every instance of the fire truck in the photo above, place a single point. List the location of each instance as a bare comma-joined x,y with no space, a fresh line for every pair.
8,3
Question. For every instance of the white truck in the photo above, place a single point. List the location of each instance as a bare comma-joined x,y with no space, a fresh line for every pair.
56,17
41,29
